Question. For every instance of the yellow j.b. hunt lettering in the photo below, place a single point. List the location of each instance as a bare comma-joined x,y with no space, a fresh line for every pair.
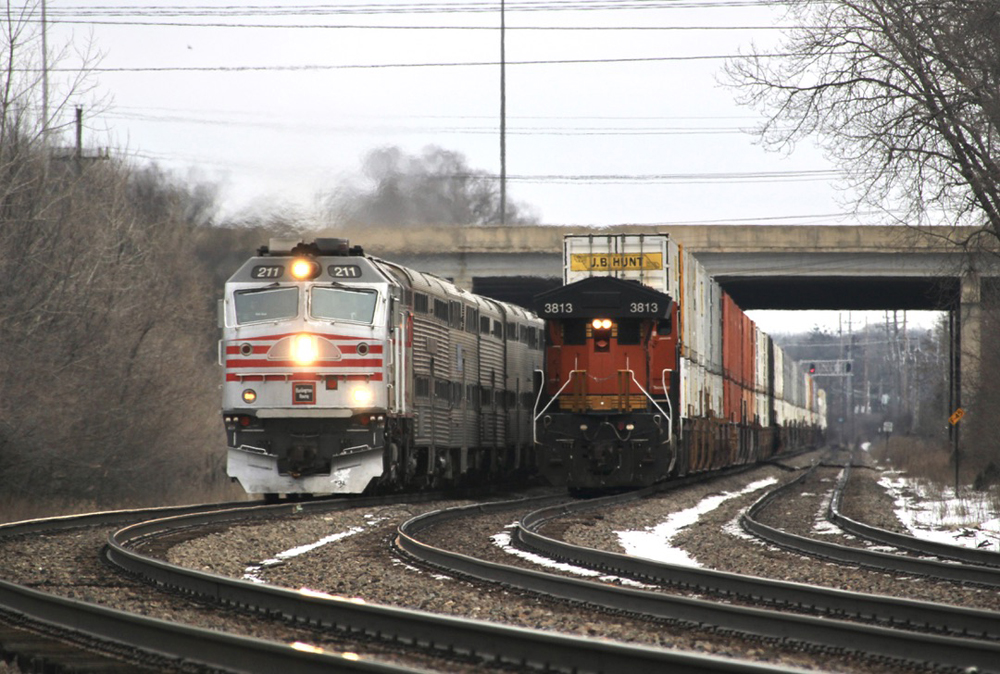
616,262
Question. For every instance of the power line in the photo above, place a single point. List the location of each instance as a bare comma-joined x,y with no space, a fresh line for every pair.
680,178
327,26
370,66
410,8
449,128
591,179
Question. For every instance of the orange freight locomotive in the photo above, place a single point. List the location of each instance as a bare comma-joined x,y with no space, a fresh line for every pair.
652,370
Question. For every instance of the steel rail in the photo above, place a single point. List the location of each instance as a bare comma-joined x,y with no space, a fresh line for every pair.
108,517
825,632
180,643
491,642
172,642
889,611
974,556
960,573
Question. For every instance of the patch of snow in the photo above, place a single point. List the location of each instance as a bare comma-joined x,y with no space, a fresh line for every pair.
502,540
656,542
252,572
968,520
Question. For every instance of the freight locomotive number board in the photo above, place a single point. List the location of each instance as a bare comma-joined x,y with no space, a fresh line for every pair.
615,261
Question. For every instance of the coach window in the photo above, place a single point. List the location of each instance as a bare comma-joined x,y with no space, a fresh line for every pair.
484,325
344,304
498,329
268,304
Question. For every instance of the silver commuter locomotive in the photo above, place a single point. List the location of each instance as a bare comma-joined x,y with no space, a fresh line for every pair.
344,371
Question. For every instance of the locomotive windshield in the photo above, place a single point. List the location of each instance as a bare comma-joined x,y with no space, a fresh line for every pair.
267,304
344,304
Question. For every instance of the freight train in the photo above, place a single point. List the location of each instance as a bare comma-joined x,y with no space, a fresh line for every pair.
653,371
345,372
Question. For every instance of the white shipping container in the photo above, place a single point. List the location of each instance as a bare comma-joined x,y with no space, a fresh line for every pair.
779,368
647,258
715,330
715,387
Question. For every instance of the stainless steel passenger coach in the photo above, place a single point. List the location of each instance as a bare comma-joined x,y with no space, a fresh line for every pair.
344,371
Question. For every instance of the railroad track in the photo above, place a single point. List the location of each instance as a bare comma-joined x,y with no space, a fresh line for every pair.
908,631
489,644
979,567
897,629
139,641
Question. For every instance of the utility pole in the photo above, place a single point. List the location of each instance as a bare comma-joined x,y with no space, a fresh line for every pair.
852,419
45,78
79,134
503,115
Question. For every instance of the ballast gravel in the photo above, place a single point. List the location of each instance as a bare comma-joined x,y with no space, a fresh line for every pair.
361,564
350,553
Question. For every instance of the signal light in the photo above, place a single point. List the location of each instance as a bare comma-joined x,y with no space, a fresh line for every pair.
304,269
812,368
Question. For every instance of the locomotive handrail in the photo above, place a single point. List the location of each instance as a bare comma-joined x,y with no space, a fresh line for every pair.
534,422
663,382
670,420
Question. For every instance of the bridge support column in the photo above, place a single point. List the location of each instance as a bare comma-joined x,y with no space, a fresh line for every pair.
970,344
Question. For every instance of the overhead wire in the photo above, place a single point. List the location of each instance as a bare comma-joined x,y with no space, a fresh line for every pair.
149,14
376,66
408,8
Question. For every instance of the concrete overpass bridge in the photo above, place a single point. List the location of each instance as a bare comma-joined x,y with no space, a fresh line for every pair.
762,267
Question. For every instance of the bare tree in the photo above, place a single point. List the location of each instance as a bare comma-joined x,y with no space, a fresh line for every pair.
108,393
904,94
436,188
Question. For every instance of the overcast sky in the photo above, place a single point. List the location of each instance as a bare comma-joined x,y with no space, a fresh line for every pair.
615,113
603,126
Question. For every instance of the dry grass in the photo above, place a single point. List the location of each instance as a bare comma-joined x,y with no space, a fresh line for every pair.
931,465
920,459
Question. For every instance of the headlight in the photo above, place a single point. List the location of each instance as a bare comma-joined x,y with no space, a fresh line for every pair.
304,269
305,349
602,324
362,396
249,396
